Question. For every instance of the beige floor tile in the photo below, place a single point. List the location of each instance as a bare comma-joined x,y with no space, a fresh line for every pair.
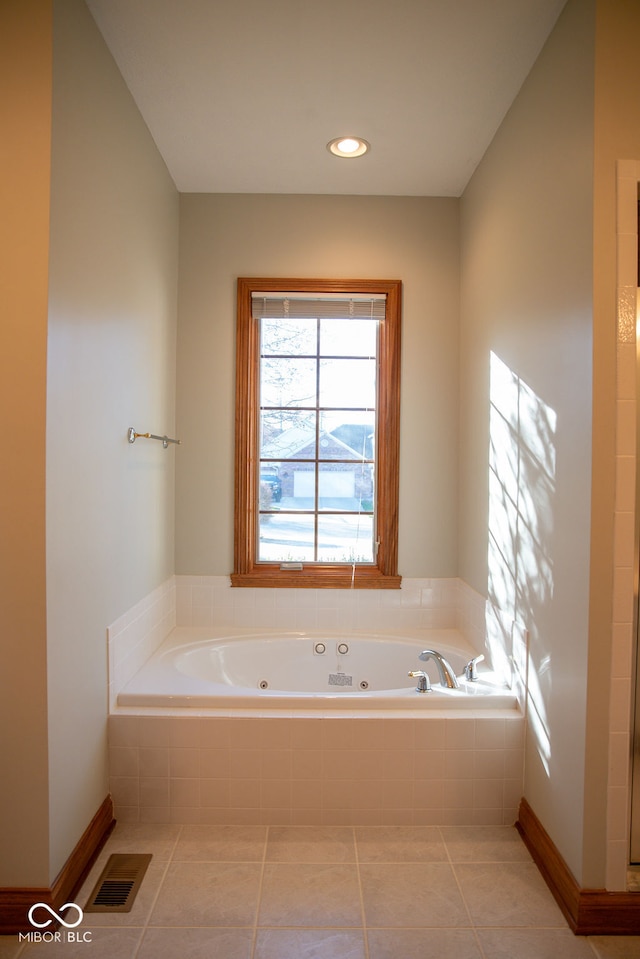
400,844
304,894
416,944
507,894
534,944
208,894
310,944
156,838
205,884
104,944
411,895
616,947
310,844
196,944
484,844
221,844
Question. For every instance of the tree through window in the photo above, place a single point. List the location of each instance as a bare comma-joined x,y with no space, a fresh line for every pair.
317,405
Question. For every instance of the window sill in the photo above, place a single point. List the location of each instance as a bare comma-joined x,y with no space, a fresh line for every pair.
316,577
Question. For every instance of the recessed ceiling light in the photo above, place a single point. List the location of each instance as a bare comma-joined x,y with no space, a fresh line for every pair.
348,146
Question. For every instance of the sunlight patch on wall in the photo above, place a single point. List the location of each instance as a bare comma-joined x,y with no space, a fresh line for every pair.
522,468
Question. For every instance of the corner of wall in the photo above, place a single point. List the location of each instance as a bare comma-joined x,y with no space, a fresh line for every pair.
622,640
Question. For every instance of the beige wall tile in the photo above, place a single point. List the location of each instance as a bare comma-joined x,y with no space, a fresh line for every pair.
154,761
214,763
214,793
276,764
124,760
184,763
184,792
154,792
306,764
459,733
244,793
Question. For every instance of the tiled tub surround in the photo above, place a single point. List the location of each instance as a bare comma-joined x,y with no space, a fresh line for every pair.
209,601
420,603
187,766
137,634
304,769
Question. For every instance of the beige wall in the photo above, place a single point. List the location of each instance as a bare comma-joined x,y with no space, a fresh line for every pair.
109,328
25,120
409,238
527,299
111,365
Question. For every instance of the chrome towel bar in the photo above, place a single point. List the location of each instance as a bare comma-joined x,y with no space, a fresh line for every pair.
133,436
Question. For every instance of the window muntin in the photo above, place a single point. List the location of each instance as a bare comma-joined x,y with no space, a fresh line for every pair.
329,460
316,475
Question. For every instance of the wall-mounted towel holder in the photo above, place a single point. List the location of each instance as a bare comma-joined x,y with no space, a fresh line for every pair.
132,436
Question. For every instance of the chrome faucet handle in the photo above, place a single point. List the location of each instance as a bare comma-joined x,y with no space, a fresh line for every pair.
424,686
471,669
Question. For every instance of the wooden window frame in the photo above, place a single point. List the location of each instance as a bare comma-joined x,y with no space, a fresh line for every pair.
383,573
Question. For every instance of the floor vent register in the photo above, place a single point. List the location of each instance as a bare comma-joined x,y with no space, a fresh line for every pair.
119,883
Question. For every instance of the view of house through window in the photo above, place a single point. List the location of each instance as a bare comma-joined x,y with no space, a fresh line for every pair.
317,414
318,429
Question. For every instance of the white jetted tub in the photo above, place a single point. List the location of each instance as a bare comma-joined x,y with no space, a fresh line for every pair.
214,669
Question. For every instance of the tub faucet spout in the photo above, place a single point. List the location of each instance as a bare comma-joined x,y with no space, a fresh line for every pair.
445,669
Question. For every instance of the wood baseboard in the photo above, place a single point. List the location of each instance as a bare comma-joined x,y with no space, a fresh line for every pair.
589,912
16,902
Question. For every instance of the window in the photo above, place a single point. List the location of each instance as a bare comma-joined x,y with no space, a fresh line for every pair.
317,424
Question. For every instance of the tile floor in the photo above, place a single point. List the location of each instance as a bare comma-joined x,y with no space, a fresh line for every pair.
316,892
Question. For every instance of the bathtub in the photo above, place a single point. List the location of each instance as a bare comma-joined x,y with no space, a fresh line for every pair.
337,736
197,668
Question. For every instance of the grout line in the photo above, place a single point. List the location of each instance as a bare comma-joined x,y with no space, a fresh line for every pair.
365,931
175,845
168,862
472,924
254,940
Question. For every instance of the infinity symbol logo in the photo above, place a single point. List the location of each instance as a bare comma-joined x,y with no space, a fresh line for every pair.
47,922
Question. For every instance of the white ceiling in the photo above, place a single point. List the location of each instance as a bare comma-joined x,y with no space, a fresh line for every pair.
242,96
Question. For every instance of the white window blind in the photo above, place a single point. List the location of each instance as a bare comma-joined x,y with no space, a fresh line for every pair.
328,306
